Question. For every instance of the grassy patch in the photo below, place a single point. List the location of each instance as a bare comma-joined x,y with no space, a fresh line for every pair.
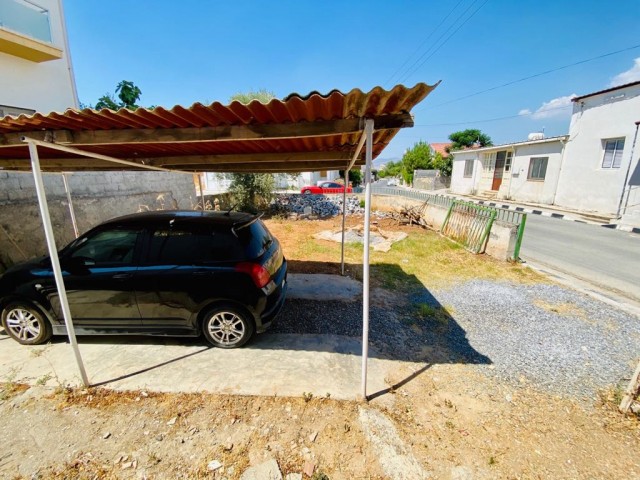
423,260
563,308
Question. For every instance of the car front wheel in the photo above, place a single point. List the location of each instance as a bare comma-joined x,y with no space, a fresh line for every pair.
227,326
25,324
306,192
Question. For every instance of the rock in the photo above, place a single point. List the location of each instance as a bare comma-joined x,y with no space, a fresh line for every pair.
214,465
106,435
268,470
461,473
159,437
172,421
313,436
126,465
228,446
308,468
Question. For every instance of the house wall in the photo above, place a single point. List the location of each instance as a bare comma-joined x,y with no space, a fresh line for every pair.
459,183
584,184
518,187
44,87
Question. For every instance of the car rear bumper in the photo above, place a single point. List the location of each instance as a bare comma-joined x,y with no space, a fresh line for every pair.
275,300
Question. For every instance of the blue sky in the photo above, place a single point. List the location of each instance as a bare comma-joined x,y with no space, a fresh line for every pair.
189,51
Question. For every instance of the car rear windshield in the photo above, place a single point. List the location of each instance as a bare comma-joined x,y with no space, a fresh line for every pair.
196,245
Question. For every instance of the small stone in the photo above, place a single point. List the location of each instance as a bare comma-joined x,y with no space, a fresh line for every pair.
313,436
144,394
214,465
159,437
126,465
228,446
172,421
308,468
106,435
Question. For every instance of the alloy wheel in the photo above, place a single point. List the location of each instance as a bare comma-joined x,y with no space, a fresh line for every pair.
23,324
226,328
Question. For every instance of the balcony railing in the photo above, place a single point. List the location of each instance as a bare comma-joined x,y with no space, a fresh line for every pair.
25,18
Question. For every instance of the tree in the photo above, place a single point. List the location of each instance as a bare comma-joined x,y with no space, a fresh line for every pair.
418,157
355,176
391,169
127,93
262,95
252,192
444,164
467,138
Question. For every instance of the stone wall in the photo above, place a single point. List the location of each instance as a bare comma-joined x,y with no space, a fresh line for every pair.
96,197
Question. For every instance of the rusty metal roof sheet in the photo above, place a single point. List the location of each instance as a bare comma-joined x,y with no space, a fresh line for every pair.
203,137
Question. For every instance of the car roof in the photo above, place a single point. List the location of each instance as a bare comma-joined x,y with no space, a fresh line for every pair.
191,217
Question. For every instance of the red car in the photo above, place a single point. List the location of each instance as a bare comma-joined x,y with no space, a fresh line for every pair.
325,188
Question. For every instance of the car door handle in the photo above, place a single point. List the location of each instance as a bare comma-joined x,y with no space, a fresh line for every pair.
122,276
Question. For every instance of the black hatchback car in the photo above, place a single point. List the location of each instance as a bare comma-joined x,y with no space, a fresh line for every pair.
174,273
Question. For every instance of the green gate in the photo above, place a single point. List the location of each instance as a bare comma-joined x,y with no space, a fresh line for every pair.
469,224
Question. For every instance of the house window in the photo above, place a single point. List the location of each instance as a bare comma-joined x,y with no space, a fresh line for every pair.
488,161
507,162
468,168
613,153
537,168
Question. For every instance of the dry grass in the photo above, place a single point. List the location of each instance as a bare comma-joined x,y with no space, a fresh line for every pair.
563,308
424,257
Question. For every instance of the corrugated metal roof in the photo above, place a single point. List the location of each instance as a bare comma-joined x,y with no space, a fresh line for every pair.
216,132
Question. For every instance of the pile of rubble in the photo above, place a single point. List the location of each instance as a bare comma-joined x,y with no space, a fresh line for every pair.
314,206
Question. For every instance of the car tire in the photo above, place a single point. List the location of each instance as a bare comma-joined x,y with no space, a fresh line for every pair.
227,326
25,324
306,192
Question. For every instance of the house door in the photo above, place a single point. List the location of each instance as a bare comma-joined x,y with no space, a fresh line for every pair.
499,170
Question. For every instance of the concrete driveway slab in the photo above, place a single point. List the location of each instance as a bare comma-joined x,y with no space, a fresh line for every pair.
273,364
320,286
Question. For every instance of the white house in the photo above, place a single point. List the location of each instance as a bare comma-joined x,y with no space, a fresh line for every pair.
523,171
595,168
36,68
215,183
600,161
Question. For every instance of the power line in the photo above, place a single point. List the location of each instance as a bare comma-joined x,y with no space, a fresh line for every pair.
486,120
546,72
422,44
411,72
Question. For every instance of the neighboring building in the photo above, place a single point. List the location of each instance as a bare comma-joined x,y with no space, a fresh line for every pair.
34,58
522,171
593,169
440,148
599,159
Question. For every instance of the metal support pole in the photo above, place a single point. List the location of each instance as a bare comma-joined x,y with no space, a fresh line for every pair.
55,261
201,190
71,211
368,129
344,215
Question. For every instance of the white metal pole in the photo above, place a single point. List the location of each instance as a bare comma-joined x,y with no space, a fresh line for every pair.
368,129
344,214
55,261
71,210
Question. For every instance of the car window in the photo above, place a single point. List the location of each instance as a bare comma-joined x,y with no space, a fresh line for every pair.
326,185
256,239
107,247
190,247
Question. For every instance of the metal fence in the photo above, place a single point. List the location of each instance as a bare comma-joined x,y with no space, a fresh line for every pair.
469,225
510,217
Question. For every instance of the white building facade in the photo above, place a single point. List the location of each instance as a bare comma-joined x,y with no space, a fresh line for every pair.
600,169
35,65
523,171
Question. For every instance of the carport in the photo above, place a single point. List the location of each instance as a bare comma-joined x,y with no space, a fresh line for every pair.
299,133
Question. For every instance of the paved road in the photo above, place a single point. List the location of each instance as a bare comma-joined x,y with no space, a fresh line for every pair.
604,257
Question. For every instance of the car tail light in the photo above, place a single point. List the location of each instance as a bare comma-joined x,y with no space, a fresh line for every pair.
258,273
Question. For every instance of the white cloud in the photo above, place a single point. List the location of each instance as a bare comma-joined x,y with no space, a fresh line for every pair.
631,75
557,107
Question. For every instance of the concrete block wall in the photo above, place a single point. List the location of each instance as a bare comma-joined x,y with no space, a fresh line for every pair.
96,198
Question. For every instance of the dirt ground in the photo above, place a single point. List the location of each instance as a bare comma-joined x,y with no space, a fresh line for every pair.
445,421
455,422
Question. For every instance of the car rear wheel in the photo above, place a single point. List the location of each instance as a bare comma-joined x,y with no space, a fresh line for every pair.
306,192
227,326
25,324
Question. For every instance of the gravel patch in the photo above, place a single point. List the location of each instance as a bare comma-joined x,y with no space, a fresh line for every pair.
546,336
